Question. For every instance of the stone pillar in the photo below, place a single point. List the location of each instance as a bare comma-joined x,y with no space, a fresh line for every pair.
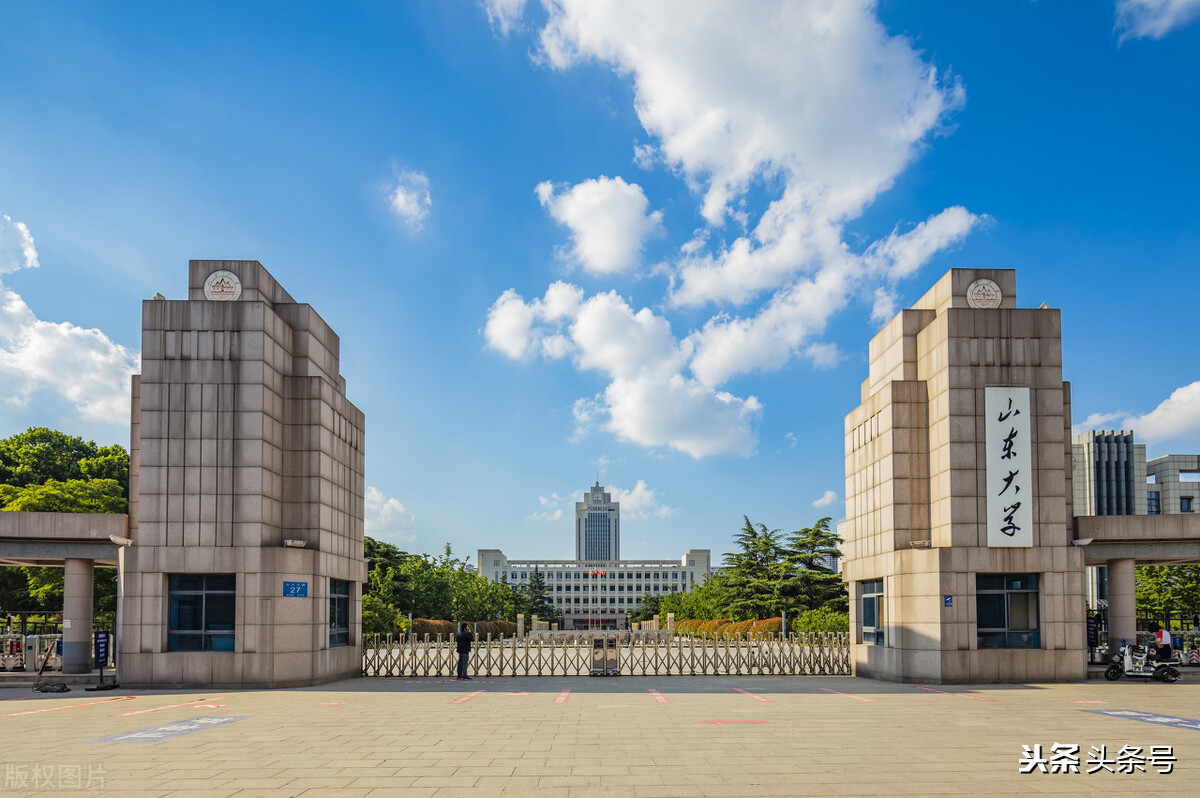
520,626
1122,603
78,578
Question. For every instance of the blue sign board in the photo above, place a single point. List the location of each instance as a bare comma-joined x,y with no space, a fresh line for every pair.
167,730
948,601
295,589
1149,717
101,649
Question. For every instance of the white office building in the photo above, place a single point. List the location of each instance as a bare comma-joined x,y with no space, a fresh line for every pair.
597,526
597,590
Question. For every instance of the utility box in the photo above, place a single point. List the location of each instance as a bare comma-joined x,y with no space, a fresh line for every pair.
605,661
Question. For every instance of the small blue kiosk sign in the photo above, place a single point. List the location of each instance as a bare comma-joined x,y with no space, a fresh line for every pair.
295,589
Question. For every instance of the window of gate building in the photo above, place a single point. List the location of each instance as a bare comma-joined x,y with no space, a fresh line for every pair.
872,612
339,613
201,612
1007,610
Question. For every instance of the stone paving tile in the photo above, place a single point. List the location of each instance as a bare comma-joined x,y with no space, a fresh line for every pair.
611,739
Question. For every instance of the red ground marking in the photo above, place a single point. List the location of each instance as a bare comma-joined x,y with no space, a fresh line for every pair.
848,695
657,696
755,696
68,706
191,703
205,706
943,692
1085,701
333,703
462,699
562,696
517,693
727,722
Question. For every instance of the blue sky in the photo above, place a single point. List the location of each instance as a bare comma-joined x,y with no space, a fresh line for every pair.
645,242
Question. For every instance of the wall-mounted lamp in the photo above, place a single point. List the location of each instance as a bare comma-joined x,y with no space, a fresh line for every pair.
294,544
1082,542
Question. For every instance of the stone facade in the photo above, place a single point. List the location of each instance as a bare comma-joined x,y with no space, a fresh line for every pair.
916,496
244,446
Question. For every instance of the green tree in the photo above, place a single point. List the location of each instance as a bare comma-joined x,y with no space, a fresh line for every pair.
72,496
39,455
1166,589
752,574
809,583
650,606
538,600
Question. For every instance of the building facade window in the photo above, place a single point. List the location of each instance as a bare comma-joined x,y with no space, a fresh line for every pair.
339,613
1185,504
1006,610
201,612
872,612
1153,505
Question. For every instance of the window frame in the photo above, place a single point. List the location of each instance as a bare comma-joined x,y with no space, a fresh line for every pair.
1013,637
871,594
339,606
218,639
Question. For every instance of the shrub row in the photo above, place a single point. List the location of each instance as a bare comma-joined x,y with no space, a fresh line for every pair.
736,630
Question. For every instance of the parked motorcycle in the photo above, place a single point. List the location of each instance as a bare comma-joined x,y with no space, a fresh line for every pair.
1132,661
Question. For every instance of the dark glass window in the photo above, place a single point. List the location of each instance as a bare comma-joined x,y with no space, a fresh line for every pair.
1185,504
1006,610
339,613
201,612
1153,505
872,612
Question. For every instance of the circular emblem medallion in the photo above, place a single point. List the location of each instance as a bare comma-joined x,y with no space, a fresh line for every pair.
222,286
984,294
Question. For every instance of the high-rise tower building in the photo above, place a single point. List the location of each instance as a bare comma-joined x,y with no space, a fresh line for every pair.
597,526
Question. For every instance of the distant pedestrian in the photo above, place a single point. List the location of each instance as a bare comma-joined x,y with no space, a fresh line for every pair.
464,639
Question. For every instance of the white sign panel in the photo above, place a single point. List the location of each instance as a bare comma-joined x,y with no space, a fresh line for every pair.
1009,467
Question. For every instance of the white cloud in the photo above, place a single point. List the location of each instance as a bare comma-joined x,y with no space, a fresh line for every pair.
791,439
1154,19
410,199
811,107
504,15
608,220
641,502
648,400
1098,421
386,518
827,498
82,365
1178,416
16,246
547,516
1175,418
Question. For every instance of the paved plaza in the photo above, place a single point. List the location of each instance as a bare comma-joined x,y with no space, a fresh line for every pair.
652,736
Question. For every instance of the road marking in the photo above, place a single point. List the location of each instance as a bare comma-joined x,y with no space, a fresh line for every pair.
333,703
68,706
727,722
1086,701
657,696
943,692
517,693
755,696
848,695
1148,717
168,730
562,696
462,699
188,704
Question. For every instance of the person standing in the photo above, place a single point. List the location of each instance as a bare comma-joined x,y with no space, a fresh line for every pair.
464,640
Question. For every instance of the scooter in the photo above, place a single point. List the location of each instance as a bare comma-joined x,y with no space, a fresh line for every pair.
1132,662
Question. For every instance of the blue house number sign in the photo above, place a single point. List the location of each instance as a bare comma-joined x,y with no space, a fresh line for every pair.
295,589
